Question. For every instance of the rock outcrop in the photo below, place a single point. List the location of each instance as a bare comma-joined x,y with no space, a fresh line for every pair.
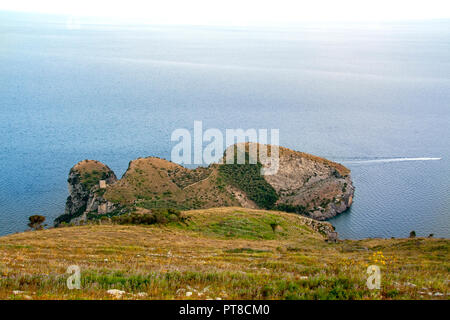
87,183
307,184
324,228
324,188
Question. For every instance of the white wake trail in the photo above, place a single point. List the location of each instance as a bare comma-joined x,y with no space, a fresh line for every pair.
391,160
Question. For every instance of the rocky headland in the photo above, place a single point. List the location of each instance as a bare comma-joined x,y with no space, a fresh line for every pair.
311,186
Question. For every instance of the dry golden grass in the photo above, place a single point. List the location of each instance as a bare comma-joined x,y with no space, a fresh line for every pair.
153,182
87,166
217,254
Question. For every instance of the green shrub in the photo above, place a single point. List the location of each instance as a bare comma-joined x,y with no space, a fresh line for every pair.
156,216
248,178
291,208
67,217
36,222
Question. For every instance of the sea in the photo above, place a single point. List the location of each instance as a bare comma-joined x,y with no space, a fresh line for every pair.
372,96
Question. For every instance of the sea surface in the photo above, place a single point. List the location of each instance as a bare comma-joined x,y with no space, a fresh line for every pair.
375,97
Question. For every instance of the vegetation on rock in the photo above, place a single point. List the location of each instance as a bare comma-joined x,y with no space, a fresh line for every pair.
247,177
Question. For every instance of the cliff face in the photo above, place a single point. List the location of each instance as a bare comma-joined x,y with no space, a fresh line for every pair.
87,183
304,184
324,188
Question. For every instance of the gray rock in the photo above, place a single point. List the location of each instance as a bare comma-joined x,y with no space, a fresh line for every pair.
332,237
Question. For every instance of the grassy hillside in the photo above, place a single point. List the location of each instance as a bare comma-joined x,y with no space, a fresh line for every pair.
227,253
157,183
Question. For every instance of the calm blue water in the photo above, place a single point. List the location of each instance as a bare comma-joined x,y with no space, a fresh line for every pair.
115,93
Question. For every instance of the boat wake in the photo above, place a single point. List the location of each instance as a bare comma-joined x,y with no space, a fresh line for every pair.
390,160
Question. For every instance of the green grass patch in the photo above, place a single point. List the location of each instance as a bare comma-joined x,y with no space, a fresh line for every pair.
240,225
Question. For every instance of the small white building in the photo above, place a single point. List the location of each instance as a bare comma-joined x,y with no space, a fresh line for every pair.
102,184
102,208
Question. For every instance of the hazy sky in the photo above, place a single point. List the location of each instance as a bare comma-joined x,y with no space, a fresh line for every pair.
240,12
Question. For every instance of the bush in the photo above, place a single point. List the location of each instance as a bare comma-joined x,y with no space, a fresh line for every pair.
67,217
156,216
290,208
36,222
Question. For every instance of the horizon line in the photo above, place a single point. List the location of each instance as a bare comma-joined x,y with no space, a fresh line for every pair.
112,20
